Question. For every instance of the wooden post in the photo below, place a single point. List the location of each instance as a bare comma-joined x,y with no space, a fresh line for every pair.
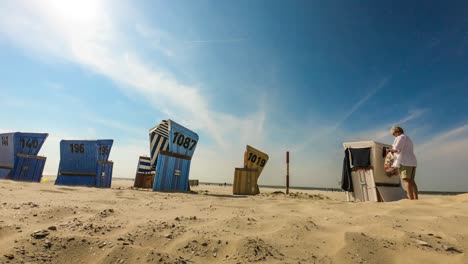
287,172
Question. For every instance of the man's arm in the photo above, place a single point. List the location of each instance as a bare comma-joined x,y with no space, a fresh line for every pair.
398,145
391,150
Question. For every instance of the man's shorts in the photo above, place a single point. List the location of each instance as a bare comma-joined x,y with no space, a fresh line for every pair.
407,172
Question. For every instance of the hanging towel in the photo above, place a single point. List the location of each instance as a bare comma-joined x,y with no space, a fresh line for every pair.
346,181
384,152
360,157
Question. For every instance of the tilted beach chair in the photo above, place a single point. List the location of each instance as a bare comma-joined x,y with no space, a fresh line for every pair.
246,179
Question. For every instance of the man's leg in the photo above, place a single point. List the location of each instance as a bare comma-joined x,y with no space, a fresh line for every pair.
409,188
409,173
406,177
415,189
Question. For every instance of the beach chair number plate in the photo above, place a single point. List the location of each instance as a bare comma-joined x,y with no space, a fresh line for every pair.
77,148
103,150
184,141
258,160
28,143
4,141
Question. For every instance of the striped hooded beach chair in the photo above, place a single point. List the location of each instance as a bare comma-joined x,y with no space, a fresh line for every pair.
172,148
159,141
144,175
144,165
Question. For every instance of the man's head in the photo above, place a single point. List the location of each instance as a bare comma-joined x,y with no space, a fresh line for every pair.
396,131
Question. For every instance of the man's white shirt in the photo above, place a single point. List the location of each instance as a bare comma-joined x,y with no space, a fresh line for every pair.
405,154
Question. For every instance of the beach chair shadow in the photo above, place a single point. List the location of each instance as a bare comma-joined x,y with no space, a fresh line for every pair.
227,196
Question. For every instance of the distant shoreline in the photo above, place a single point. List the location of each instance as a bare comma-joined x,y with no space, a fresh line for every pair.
312,188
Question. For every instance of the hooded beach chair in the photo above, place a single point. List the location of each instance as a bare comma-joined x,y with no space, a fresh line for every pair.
18,156
172,164
144,177
365,175
85,163
246,179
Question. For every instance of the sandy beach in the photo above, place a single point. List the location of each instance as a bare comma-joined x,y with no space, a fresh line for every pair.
59,224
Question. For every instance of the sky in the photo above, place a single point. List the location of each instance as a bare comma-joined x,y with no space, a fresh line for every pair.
298,76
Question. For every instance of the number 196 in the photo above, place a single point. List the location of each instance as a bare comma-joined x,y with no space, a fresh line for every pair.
77,148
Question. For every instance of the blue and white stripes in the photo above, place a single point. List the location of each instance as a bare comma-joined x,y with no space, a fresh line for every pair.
144,165
159,140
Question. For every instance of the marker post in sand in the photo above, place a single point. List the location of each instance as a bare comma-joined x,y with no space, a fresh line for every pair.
287,172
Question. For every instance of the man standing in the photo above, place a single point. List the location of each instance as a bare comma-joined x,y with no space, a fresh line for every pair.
405,160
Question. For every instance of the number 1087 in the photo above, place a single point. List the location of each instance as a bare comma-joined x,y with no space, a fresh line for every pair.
184,141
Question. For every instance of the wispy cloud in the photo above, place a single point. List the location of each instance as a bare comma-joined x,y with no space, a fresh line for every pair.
324,131
87,35
157,38
444,137
362,101
115,124
208,41
412,115
384,132
94,43
442,160
10,101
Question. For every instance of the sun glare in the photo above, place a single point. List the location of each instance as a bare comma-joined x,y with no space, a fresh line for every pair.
80,11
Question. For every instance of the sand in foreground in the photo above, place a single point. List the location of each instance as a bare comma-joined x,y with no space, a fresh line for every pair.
59,224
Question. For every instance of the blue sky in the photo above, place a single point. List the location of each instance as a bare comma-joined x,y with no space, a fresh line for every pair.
303,76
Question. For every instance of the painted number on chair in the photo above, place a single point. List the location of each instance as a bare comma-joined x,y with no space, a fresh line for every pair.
258,160
184,141
77,148
103,150
28,143
4,141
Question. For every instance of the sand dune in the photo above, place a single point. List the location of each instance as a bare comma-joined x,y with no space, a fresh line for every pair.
57,224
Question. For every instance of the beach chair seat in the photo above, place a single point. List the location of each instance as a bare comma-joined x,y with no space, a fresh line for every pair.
245,181
144,177
370,181
28,168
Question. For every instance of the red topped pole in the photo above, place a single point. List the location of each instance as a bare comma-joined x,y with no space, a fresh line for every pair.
287,172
